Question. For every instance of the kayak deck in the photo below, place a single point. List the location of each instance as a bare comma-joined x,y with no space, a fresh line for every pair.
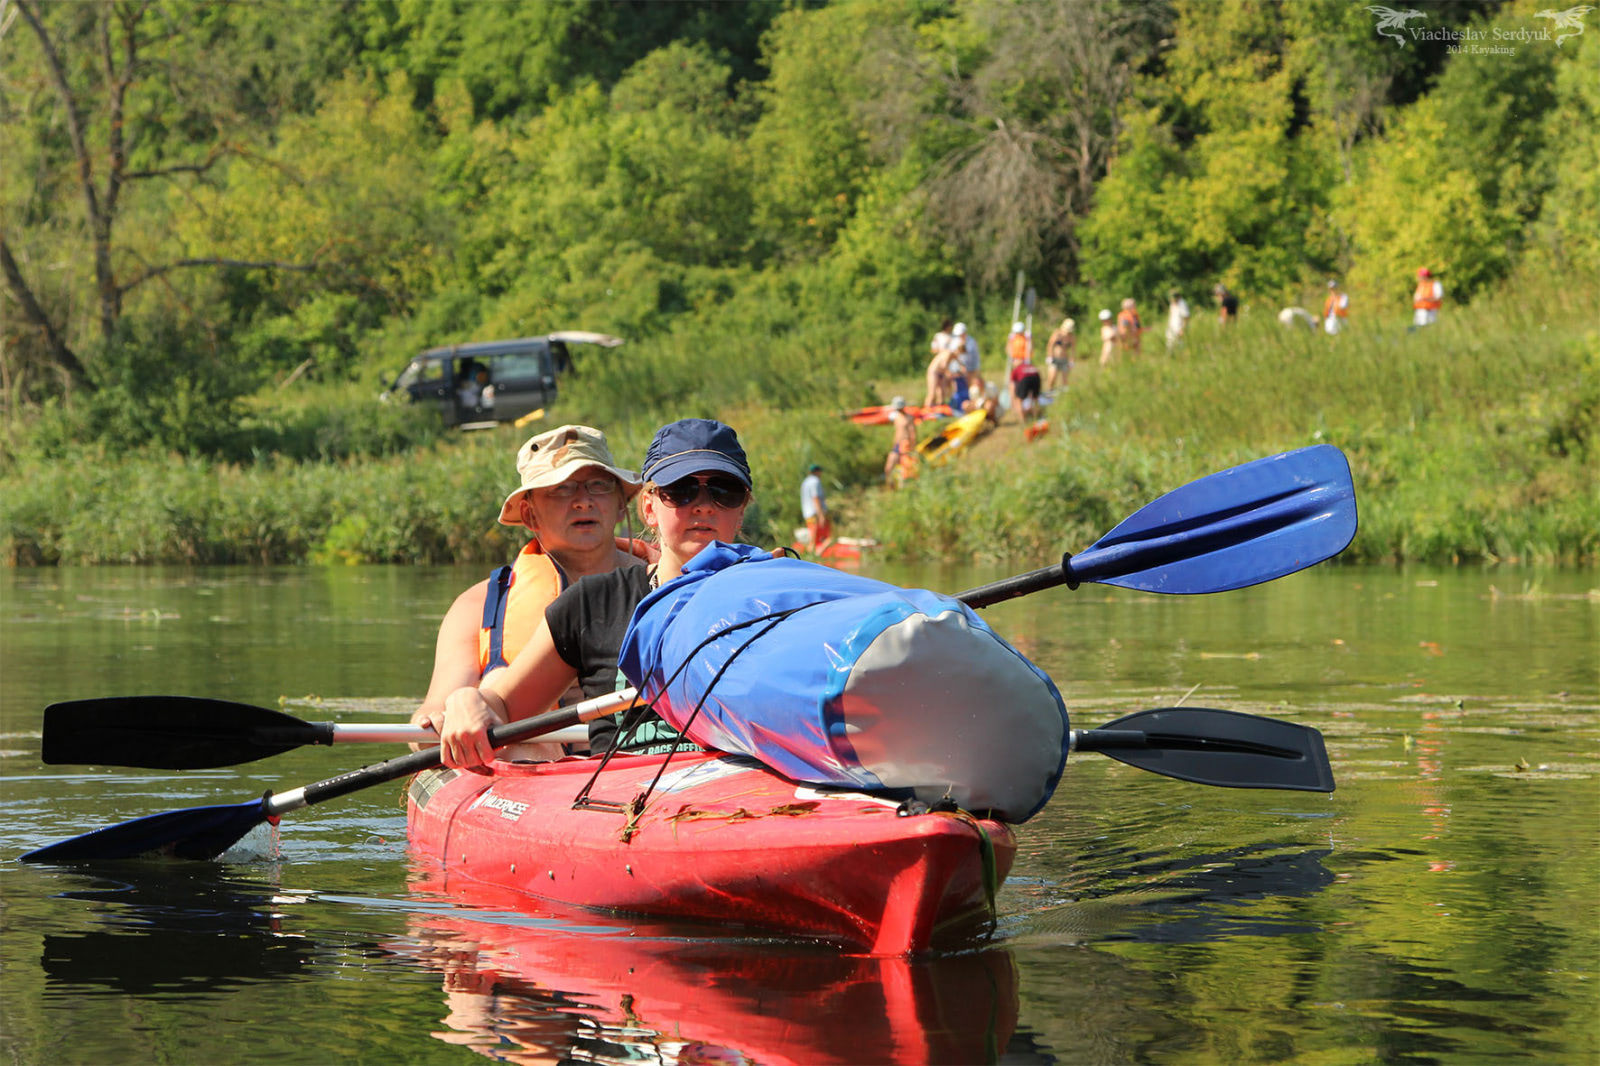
720,839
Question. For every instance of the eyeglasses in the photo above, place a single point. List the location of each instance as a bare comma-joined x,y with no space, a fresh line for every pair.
726,492
594,486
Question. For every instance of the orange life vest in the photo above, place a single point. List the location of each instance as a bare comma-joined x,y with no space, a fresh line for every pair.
514,602
1018,347
1426,297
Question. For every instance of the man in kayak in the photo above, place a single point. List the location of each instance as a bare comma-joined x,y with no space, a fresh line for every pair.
571,497
697,485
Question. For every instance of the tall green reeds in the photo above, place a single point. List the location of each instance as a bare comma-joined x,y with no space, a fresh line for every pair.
1473,439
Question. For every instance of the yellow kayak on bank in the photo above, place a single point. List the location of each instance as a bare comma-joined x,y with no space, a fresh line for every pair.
949,442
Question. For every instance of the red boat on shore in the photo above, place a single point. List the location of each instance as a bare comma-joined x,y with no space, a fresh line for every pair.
718,838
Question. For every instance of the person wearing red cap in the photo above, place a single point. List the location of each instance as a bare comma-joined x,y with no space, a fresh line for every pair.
1428,298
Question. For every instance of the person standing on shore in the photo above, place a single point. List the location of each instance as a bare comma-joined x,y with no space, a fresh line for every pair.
1227,304
1025,390
903,450
1108,338
970,360
1129,328
940,349
1427,300
1019,346
1058,355
1177,318
1335,309
814,509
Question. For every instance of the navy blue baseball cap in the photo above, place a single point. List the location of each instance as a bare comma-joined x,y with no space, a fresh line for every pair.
694,446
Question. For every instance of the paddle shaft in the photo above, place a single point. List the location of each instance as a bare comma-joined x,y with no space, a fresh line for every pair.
405,765
380,733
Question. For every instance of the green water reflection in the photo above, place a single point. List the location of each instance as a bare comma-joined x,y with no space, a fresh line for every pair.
1440,906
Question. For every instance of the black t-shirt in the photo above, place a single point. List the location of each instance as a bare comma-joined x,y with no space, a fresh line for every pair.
1230,304
587,623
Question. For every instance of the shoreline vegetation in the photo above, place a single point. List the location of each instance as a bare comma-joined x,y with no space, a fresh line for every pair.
1471,441
223,232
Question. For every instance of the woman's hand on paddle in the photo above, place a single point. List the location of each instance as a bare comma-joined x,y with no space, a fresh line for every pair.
464,735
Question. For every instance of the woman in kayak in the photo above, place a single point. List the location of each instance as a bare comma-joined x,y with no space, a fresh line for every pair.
697,485
571,497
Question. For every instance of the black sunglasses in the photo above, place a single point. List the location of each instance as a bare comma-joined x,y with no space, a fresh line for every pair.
726,492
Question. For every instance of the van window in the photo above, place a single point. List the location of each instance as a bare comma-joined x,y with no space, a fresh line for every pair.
525,368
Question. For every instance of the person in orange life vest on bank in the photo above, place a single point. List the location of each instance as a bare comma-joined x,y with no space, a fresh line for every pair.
1427,300
571,497
1335,309
697,485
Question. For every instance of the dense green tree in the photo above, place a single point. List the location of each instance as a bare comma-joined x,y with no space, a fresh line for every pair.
1462,174
108,107
1570,214
1218,181
515,58
810,147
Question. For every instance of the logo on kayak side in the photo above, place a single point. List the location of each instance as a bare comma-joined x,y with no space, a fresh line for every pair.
508,808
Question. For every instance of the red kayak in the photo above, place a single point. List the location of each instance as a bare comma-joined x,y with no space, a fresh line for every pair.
721,839
879,415
840,550
537,979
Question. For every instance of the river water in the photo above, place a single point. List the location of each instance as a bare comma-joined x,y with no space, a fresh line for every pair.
1443,905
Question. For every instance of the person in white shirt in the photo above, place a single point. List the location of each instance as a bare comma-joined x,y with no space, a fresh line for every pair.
1177,318
814,509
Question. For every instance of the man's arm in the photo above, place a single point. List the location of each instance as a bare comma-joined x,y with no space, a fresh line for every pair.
455,654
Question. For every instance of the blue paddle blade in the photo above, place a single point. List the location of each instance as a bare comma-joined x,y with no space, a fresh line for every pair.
1238,527
196,833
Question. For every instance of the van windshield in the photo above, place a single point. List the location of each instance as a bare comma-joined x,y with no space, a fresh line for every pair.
419,371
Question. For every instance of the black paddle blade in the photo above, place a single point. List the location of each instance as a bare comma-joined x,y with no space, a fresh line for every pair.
196,833
169,732
1212,747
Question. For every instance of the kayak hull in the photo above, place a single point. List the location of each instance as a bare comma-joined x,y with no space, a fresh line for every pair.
949,441
721,839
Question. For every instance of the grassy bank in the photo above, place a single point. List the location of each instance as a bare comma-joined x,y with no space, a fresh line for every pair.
1470,440
1473,439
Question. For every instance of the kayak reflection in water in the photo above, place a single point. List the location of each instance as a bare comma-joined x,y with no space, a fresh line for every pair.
544,992
571,497
697,486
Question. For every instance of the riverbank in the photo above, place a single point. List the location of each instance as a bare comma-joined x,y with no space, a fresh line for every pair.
1471,440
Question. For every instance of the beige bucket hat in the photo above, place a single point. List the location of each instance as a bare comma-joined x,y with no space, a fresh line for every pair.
553,457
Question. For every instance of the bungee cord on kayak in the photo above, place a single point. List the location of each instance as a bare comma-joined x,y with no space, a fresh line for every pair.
634,807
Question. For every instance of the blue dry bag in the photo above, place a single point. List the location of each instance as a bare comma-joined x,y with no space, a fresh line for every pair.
831,678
